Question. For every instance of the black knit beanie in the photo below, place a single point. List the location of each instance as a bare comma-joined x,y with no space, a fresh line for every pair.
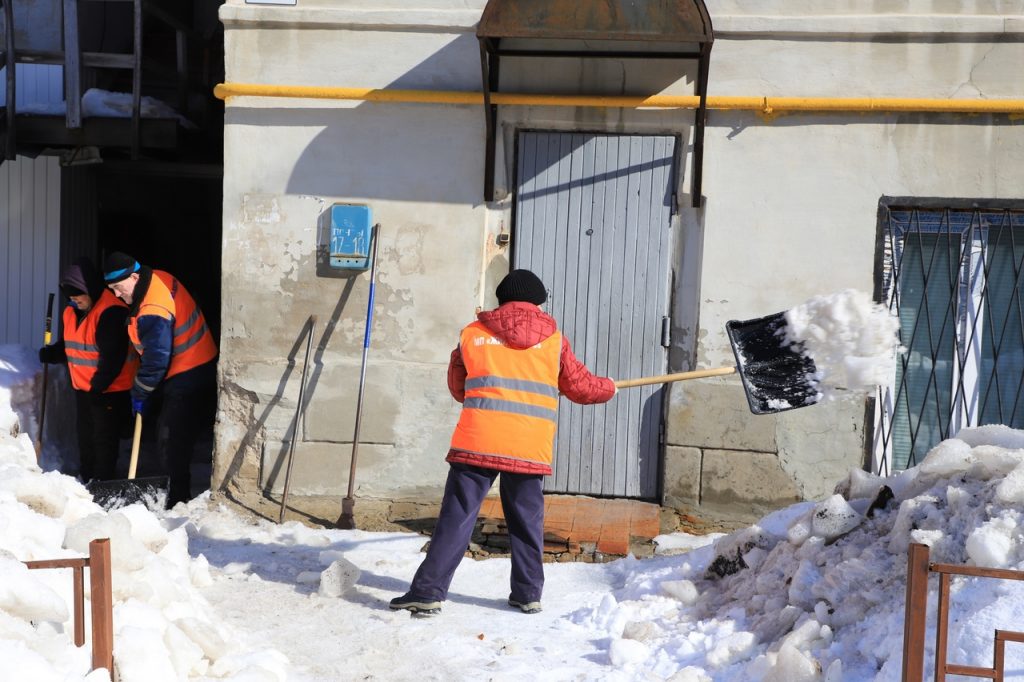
118,266
521,285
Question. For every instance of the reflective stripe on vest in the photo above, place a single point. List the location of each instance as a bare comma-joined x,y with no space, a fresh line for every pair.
511,404
84,354
192,343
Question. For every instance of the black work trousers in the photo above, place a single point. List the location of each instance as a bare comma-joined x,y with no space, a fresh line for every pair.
100,420
185,405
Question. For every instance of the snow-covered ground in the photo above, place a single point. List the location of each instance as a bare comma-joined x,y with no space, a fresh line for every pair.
812,592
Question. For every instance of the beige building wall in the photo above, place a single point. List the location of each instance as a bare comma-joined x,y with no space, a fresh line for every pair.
789,211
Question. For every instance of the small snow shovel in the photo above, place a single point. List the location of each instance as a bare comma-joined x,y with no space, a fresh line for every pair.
151,491
775,377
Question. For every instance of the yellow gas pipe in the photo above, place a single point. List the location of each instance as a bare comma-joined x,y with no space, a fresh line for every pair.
763,105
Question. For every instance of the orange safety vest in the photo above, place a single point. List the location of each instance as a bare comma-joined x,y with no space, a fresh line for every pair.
511,404
193,343
82,351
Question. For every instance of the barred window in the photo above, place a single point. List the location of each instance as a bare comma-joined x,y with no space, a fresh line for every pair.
951,271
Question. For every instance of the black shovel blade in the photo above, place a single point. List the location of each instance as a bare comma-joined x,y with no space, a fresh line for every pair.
111,495
776,377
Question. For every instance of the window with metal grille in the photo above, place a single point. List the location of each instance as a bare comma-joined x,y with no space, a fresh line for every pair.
951,271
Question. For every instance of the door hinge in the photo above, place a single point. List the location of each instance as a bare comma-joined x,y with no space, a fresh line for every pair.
666,331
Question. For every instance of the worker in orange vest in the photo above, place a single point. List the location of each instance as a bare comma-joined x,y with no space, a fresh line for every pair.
94,345
178,362
507,371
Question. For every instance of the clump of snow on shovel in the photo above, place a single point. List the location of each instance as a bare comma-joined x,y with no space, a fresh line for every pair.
851,339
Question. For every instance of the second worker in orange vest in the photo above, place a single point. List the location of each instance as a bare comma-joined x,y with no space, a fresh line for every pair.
101,366
178,362
508,370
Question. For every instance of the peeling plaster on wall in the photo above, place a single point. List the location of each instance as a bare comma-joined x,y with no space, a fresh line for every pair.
261,209
408,249
239,435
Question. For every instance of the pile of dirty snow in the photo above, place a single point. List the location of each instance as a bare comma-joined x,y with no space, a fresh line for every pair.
817,591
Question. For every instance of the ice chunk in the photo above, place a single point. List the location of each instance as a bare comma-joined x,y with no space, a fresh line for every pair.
733,648
991,545
1010,490
834,517
793,666
993,434
24,595
337,578
858,484
683,590
949,457
626,651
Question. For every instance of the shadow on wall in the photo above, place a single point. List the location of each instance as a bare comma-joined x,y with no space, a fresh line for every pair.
435,153
313,377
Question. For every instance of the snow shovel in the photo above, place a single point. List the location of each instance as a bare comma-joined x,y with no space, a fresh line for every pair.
151,491
775,377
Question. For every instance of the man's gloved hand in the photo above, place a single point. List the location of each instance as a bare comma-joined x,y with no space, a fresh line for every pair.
615,389
138,406
50,355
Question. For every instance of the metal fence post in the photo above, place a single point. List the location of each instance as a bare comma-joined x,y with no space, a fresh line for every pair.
102,605
916,613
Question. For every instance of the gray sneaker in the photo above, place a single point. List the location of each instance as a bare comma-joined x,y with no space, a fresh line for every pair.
422,607
525,606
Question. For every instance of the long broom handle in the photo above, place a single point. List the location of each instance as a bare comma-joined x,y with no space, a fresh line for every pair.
349,499
136,439
681,376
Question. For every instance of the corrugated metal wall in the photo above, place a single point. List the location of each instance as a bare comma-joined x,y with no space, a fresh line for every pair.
30,219
38,84
593,214
30,246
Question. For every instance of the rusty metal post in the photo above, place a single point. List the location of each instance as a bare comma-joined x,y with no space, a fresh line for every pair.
102,605
78,583
998,655
942,628
916,613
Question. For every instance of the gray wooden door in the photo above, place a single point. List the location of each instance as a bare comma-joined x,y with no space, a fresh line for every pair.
592,214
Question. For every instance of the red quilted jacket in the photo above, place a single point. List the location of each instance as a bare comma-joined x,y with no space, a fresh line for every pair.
521,325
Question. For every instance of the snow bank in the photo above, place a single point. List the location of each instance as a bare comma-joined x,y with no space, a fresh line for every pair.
816,592
163,627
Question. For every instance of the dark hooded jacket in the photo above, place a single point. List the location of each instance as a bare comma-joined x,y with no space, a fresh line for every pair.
521,325
111,334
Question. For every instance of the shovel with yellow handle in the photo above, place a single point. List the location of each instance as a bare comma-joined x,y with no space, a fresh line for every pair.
151,491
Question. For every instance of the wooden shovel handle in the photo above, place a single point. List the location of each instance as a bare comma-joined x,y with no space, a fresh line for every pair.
681,376
136,438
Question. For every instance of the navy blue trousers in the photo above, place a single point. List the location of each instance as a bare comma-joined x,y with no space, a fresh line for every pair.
522,499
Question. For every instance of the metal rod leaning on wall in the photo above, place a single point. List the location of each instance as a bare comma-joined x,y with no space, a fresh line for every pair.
347,519
299,412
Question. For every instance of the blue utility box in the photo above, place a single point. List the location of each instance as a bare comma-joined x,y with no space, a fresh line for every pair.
350,233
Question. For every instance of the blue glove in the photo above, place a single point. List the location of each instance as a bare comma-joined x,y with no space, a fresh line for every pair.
138,406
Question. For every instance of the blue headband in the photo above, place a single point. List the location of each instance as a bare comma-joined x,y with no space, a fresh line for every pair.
118,275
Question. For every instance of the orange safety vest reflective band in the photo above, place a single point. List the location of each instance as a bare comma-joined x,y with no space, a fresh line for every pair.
193,343
82,351
511,404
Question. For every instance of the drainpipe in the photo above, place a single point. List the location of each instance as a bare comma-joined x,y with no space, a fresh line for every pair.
763,105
